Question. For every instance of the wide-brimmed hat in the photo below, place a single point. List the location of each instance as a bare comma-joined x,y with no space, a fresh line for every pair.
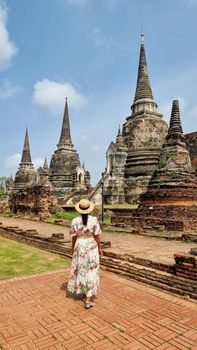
84,206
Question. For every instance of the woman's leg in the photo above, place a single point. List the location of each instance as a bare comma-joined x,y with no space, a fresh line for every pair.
88,300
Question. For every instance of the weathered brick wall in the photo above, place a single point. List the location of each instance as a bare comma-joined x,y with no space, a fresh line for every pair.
172,217
186,266
37,199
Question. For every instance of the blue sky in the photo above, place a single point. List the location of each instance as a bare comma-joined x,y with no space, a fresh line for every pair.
88,50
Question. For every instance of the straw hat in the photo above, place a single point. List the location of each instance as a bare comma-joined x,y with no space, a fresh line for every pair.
84,206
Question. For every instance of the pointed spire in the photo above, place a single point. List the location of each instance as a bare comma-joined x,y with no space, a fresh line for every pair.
143,100
45,165
120,141
65,138
175,134
119,131
143,88
175,121
26,156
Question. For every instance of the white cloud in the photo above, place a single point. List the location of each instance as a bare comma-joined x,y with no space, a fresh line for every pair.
12,161
51,95
7,48
100,40
8,89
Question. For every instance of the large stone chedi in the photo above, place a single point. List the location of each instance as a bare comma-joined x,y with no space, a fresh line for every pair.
66,172
143,134
25,176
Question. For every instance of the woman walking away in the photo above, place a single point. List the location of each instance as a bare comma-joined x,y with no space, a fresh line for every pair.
86,248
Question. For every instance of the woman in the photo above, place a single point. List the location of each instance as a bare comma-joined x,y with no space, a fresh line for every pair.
86,248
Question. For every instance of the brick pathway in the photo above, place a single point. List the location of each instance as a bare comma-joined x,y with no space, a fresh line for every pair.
36,314
140,246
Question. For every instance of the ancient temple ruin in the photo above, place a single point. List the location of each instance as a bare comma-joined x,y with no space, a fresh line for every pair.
191,140
65,172
171,198
25,176
129,169
130,161
116,159
43,172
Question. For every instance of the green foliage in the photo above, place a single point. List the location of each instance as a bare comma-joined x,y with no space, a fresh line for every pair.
57,214
165,156
3,180
8,213
19,259
162,163
160,229
65,215
168,154
107,220
2,185
69,215
152,171
173,173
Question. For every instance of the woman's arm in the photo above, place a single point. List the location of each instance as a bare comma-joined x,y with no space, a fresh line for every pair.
97,239
74,238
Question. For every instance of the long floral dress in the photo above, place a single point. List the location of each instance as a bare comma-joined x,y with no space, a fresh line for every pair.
84,274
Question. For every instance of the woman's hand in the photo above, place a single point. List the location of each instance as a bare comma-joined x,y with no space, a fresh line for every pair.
74,238
100,252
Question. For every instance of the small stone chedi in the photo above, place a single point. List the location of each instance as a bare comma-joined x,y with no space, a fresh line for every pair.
130,165
66,173
116,158
25,176
43,172
171,197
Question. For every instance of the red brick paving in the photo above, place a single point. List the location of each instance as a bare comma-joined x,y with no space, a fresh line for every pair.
35,313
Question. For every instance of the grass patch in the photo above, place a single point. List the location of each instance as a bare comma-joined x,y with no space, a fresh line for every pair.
65,215
18,259
69,215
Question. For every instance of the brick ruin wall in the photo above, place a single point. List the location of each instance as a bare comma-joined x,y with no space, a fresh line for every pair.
36,200
171,217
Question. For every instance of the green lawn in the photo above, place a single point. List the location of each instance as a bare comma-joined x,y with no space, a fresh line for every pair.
69,215
17,259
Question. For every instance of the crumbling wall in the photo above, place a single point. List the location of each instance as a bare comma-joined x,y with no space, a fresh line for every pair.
37,199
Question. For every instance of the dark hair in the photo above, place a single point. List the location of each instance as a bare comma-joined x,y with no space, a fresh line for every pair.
84,219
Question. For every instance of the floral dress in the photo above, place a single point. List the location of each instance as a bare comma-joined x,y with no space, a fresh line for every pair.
84,274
